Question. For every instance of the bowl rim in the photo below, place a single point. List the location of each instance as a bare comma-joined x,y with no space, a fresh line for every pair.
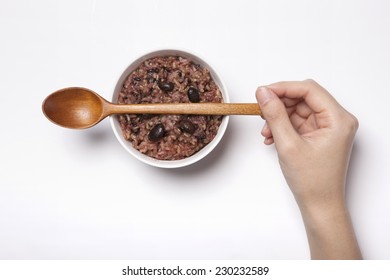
169,163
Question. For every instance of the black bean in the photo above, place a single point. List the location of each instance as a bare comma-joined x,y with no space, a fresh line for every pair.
151,71
146,116
165,86
138,79
193,95
200,135
157,132
186,126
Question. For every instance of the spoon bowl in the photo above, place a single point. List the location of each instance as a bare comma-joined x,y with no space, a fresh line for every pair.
74,107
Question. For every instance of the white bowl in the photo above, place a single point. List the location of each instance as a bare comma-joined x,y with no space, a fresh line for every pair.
169,163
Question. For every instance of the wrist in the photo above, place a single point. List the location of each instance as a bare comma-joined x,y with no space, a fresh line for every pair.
329,230
320,195
322,214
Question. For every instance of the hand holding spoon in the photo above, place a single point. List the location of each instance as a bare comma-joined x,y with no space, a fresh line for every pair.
78,108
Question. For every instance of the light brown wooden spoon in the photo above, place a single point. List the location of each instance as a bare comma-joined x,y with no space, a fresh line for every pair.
78,108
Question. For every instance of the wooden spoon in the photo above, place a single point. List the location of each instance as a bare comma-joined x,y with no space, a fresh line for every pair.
78,108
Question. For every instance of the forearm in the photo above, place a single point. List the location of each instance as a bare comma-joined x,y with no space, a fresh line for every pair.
330,231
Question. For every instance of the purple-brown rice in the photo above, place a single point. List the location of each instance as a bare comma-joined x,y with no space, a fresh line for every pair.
169,79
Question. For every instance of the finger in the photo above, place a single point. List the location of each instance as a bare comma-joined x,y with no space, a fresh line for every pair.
303,110
290,102
269,141
317,98
276,116
266,131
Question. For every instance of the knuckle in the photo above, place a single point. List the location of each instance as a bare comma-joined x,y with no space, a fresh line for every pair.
356,122
310,82
349,124
310,85
352,123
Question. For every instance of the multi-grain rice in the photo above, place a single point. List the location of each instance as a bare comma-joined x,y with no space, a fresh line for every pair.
169,79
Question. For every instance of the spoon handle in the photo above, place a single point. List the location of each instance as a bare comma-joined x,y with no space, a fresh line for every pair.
187,109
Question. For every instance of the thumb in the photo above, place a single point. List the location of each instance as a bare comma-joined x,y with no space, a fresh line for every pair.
275,113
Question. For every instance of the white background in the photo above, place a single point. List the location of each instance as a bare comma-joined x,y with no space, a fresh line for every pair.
67,194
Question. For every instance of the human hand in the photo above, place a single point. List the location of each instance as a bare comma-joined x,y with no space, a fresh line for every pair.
313,135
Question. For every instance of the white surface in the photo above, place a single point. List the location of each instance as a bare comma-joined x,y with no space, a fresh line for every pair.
78,195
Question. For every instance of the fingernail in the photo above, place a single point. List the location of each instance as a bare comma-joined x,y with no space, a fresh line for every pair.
263,95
